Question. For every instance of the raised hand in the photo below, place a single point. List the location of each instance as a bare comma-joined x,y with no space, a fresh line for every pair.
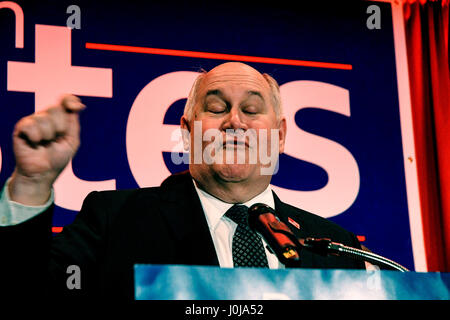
44,143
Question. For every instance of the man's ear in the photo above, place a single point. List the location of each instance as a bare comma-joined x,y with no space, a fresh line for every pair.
282,134
185,133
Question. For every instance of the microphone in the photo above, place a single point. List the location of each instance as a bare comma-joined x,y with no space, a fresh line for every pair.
263,220
286,246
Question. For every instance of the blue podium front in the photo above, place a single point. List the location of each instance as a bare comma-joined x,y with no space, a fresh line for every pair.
176,282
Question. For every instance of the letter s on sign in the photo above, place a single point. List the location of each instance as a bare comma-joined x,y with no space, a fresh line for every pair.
343,174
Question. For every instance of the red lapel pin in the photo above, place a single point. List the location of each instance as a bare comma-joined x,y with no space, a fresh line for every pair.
294,223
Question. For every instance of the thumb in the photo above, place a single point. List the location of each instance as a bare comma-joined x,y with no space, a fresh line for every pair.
72,104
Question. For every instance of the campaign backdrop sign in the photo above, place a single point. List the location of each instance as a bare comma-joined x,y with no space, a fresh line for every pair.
349,153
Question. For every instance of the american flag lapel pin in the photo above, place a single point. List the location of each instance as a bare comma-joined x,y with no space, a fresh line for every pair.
294,223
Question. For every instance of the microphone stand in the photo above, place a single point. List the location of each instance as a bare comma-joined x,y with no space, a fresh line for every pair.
326,247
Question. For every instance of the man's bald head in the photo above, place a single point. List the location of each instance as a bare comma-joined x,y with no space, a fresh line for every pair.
237,71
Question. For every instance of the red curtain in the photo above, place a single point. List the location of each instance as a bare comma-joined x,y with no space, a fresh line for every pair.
426,28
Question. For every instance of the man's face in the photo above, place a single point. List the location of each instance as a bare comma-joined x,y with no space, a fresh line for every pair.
234,97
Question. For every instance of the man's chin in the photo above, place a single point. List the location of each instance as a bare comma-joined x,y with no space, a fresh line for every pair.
233,172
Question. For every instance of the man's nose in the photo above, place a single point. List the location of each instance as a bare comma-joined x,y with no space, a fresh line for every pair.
235,120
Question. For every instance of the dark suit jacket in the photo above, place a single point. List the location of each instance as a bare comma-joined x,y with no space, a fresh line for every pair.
116,229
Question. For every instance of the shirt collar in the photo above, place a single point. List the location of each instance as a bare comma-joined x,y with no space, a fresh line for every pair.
215,208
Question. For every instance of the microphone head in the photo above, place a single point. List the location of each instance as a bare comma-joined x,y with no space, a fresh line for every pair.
263,220
255,211
261,206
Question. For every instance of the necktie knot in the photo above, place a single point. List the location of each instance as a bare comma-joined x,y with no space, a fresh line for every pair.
238,214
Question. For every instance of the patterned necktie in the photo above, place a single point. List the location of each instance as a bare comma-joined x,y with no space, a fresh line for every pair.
247,247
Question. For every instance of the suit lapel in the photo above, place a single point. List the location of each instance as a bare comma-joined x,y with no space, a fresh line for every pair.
290,217
184,214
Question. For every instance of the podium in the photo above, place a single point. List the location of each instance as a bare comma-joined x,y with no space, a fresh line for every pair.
177,282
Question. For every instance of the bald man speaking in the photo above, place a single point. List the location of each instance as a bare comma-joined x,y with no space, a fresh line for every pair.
197,217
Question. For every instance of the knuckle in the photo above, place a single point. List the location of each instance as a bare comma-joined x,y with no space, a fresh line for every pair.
24,124
43,125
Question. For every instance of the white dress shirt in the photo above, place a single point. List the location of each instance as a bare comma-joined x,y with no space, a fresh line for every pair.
222,228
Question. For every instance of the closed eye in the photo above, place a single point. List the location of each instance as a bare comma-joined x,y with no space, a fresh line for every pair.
216,109
250,110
